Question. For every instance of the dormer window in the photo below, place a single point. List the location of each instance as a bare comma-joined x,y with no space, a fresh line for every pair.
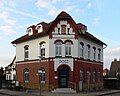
63,29
84,29
39,28
30,31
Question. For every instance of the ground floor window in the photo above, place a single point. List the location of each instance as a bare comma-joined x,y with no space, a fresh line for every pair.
26,75
41,72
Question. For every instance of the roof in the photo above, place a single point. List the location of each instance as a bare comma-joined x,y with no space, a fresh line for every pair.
48,27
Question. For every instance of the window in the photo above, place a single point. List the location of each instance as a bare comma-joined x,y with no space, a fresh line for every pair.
26,52
88,75
42,49
58,30
41,72
26,75
94,75
94,53
63,29
58,49
81,49
99,54
99,75
88,50
68,30
68,49
82,74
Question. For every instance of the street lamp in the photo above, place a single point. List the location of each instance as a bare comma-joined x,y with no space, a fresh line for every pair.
40,58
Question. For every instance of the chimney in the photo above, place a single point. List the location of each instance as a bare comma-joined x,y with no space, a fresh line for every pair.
115,59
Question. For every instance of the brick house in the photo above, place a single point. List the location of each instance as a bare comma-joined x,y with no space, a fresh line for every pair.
69,55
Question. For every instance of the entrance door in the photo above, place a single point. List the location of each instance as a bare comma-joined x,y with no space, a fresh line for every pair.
63,76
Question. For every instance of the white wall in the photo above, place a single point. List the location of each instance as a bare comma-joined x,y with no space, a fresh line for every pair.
91,43
34,48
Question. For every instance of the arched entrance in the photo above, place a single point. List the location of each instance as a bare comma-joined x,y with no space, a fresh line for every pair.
63,76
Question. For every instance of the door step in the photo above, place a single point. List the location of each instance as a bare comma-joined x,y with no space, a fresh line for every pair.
64,90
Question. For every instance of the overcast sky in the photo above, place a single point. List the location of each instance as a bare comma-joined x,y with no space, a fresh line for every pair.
102,17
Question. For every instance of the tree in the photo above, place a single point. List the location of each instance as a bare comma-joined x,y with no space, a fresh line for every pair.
2,75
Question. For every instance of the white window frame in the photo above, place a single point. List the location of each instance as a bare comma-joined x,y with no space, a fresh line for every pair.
42,49
68,49
81,50
26,75
41,73
26,53
58,49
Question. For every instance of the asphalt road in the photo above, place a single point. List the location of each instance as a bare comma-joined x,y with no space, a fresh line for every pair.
115,94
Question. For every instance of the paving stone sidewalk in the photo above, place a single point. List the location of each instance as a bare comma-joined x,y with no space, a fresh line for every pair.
36,93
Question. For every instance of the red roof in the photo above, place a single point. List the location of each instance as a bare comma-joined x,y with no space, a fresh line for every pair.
48,26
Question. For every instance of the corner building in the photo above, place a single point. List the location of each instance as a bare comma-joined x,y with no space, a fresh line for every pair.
69,56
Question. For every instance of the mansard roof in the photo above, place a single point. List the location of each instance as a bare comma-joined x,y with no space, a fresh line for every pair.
48,27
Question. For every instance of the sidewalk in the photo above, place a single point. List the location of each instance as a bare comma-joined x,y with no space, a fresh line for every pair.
36,93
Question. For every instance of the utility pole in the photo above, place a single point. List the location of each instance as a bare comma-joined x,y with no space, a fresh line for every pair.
39,74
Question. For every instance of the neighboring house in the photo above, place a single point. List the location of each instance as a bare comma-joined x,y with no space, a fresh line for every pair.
115,69
68,55
10,70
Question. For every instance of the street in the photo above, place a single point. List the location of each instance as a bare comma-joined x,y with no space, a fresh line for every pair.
115,94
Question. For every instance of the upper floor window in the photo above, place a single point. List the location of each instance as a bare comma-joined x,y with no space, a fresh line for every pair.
63,29
81,50
88,51
26,75
99,54
58,48
42,49
68,30
94,53
68,49
58,30
41,73
26,52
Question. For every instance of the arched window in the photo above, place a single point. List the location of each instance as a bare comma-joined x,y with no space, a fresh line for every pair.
42,49
41,73
39,28
94,53
82,74
26,52
26,75
99,54
81,50
94,75
88,51
58,48
68,49
30,31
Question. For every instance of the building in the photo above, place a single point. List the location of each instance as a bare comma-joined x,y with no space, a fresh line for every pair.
10,70
115,69
68,56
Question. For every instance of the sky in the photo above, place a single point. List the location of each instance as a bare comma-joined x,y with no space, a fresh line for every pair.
102,18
